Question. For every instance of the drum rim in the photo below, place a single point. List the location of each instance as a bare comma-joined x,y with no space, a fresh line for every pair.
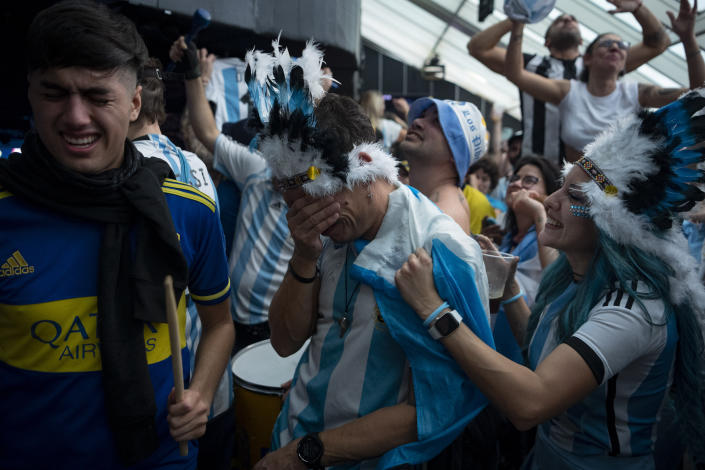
257,388
253,387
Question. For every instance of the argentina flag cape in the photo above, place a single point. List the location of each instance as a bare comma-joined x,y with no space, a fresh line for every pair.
446,400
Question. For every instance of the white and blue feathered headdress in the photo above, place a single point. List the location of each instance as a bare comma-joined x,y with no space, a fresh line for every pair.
285,92
644,177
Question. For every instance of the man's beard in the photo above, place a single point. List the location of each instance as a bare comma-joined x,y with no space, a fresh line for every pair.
563,40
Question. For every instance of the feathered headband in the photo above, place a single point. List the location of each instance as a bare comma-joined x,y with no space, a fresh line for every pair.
643,177
285,92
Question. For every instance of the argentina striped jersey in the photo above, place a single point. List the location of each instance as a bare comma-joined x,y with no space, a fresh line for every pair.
619,417
225,88
262,245
346,372
187,166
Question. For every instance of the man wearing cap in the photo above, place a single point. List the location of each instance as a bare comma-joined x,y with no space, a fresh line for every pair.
444,138
365,393
541,121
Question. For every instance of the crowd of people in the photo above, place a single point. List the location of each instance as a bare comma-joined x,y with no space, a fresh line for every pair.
360,236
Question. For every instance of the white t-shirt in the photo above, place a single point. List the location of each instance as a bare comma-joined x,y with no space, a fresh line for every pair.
584,115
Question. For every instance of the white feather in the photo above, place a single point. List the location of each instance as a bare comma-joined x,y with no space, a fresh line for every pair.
311,61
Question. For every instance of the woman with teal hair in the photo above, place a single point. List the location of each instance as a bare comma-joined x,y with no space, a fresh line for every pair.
617,326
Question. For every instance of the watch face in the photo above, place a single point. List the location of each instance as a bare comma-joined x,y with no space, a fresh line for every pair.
446,324
310,449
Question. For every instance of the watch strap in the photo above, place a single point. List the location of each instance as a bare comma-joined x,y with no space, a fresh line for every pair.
433,330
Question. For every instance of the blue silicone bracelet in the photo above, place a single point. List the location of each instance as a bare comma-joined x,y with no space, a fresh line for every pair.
435,313
513,299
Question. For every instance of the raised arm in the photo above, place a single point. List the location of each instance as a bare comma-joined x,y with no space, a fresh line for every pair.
654,38
526,397
200,114
495,153
483,46
541,88
294,307
683,25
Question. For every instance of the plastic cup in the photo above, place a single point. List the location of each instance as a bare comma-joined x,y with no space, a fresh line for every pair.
497,265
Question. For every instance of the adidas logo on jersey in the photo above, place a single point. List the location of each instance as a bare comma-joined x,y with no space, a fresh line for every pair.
15,266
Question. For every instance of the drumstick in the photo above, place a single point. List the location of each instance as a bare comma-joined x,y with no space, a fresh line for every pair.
175,342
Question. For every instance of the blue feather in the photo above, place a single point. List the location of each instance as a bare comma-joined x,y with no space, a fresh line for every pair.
687,175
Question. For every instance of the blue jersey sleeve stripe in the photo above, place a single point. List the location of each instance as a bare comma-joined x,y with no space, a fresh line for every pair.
207,298
195,197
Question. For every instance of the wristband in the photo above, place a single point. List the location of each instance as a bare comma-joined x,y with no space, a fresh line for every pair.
434,314
189,65
513,299
301,279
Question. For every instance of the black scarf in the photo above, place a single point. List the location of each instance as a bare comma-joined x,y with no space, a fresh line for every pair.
139,247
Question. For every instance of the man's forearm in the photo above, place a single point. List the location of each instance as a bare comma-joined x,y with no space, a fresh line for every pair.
214,348
200,114
371,435
292,313
484,46
514,64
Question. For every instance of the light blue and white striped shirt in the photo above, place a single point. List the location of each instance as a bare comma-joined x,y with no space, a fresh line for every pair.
225,88
346,372
262,245
187,166
615,425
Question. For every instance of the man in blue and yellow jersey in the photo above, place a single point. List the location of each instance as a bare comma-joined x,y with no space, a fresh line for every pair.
90,229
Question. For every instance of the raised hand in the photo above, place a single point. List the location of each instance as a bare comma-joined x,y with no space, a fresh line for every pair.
308,218
415,283
684,24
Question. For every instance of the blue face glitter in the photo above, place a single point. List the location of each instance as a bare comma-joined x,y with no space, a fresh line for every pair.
580,211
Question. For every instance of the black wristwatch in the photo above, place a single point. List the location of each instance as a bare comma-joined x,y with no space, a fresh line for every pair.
310,450
445,324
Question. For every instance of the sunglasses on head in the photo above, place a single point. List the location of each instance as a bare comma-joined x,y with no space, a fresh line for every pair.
607,43
527,181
